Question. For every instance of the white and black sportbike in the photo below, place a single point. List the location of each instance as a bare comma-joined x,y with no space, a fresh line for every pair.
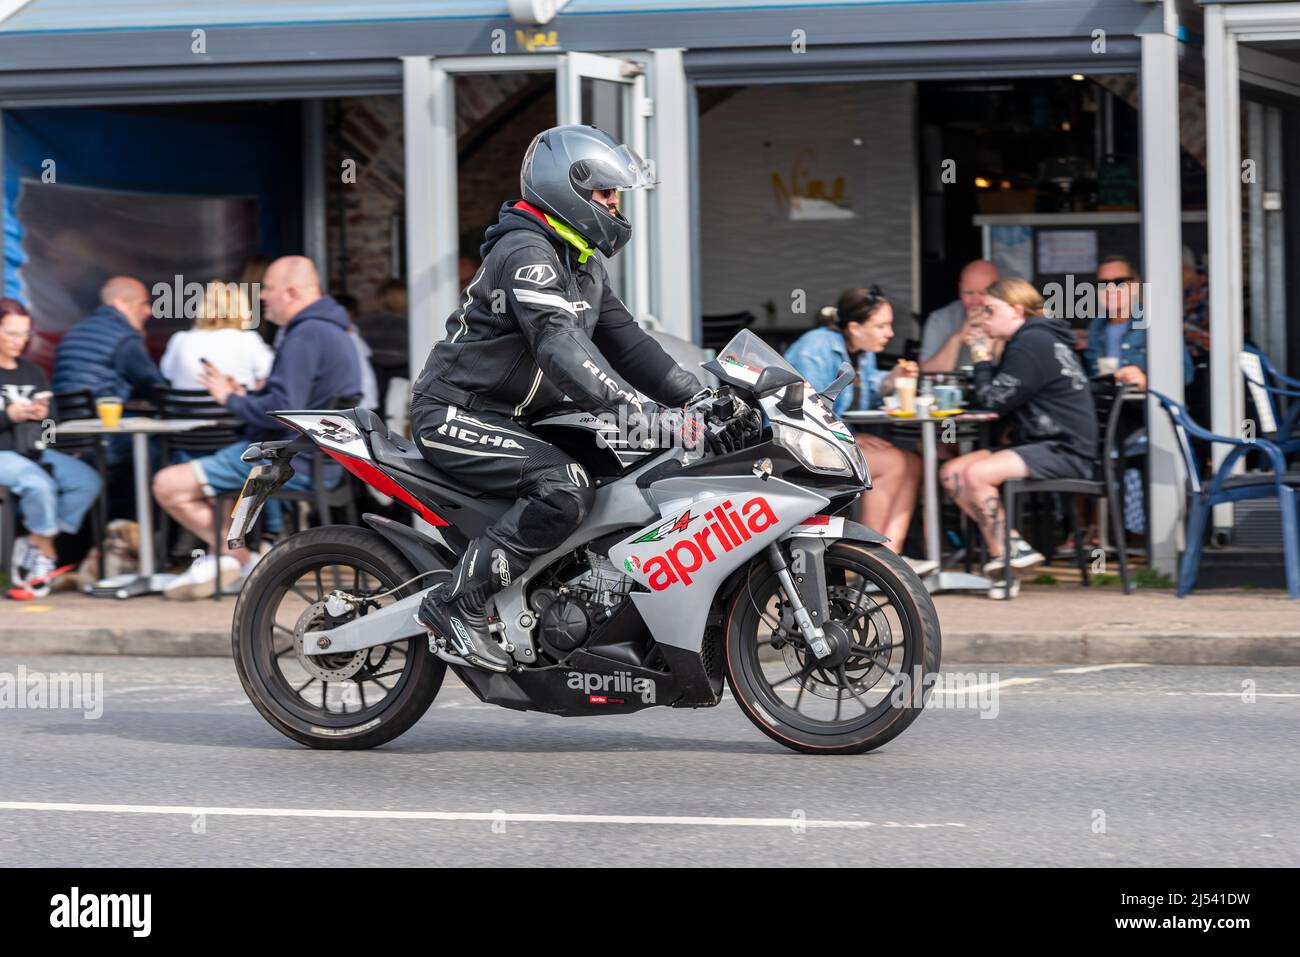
691,567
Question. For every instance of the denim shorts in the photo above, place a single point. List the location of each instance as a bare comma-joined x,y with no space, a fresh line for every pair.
225,471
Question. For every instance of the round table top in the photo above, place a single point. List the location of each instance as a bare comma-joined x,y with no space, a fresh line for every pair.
130,425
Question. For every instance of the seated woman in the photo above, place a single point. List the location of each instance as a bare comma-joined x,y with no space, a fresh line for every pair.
220,337
54,490
1040,386
859,326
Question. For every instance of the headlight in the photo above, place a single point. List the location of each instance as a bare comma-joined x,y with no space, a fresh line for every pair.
812,451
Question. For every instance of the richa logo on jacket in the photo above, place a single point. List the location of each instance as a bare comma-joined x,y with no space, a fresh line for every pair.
690,553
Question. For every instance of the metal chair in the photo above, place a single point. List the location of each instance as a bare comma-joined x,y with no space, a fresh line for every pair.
1108,400
191,404
8,527
80,404
1262,380
1225,487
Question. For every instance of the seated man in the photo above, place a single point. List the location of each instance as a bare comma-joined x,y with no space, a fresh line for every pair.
106,353
943,340
1120,331
1040,386
54,490
315,364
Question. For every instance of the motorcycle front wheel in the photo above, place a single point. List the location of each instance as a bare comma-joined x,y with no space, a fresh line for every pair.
347,701
884,632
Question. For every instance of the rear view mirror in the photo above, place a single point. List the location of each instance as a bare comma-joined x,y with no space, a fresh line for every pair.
773,379
842,379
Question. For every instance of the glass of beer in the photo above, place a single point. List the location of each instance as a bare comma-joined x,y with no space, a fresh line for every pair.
110,411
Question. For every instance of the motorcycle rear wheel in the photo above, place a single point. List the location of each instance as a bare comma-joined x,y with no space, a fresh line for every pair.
283,598
891,627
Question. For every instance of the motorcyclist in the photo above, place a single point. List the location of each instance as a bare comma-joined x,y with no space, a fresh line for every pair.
538,322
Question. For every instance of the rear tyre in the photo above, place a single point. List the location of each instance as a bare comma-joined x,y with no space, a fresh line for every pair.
872,691
348,701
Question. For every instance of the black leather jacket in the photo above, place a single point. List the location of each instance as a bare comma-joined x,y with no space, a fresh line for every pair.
537,325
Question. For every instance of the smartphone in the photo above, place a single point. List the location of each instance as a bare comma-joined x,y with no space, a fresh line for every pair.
43,396
207,363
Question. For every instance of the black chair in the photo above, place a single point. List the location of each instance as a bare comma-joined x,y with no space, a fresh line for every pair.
325,500
191,404
1109,401
80,404
8,523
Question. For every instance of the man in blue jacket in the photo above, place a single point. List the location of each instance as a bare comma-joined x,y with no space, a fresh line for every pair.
105,352
314,365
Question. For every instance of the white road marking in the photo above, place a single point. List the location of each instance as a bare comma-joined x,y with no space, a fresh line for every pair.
491,816
975,689
1091,668
1238,694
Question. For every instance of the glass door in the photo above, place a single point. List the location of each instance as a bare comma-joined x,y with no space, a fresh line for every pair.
609,93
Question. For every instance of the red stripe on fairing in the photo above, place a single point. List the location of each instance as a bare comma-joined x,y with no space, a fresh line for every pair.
384,483
817,520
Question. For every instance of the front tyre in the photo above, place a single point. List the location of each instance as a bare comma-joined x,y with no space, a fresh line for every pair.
351,700
886,640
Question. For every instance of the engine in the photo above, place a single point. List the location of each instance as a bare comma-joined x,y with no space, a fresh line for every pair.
581,595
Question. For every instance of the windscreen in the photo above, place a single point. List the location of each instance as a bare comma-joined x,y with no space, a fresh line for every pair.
743,358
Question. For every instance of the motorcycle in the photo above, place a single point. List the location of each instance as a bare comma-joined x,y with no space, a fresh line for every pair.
695,566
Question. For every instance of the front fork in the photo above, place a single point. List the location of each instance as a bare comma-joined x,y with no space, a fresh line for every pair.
803,579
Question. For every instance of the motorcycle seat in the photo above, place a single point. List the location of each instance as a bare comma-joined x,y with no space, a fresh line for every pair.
399,452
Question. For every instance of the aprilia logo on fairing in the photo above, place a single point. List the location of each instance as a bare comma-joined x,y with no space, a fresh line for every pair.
610,383
621,681
477,438
690,554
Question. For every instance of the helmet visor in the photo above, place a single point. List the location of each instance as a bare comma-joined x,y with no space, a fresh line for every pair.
619,168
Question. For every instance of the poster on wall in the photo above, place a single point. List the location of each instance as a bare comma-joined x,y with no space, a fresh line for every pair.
805,193
1062,251
75,237
1012,250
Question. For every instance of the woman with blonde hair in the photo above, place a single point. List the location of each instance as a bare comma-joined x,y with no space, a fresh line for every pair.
221,341
1040,387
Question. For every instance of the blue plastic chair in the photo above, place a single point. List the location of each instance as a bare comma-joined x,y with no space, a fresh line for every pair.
1262,381
1226,487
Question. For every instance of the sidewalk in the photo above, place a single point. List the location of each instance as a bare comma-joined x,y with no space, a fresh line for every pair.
1047,624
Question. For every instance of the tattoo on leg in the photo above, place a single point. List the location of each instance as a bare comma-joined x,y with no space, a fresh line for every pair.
990,519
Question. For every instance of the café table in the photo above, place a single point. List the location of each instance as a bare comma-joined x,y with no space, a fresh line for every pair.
139,429
941,579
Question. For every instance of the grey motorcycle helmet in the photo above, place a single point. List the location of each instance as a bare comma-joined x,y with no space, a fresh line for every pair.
565,164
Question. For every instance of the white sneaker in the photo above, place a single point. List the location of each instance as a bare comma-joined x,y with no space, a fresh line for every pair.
1023,555
922,566
201,580
999,591
248,566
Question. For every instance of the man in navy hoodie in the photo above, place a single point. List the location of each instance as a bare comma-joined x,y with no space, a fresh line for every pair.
314,365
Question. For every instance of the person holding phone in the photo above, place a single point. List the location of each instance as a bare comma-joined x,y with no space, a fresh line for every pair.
55,491
221,343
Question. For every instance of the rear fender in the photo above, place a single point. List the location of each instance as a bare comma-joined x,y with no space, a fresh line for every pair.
422,551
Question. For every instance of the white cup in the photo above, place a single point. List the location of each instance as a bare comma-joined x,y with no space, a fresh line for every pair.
1107,365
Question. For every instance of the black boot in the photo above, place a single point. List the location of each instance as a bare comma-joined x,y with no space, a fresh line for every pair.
455,611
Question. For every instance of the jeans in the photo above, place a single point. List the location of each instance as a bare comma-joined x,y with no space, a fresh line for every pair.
52,499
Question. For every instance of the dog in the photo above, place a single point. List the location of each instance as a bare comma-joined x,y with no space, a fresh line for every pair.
121,549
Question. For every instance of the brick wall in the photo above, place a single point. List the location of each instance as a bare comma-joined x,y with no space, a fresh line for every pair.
360,215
